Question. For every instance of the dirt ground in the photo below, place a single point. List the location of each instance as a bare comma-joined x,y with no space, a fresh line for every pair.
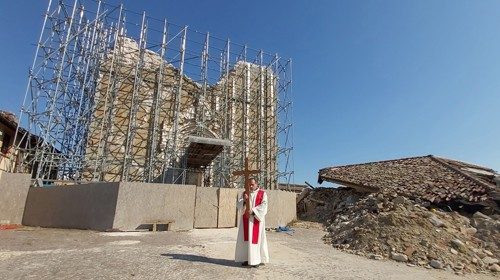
36,253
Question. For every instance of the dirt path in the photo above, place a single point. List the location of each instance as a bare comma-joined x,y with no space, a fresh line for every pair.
199,254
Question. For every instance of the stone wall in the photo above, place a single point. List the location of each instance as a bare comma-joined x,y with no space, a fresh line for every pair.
140,203
13,191
135,129
129,206
207,205
282,208
227,207
87,206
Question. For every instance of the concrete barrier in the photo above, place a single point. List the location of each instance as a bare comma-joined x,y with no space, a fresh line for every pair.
128,205
13,192
86,206
206,210
227,207
282,208
140,203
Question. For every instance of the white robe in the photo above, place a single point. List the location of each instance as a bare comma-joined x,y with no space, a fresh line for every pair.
246,250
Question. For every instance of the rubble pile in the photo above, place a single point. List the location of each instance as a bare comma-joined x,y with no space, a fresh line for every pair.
387,226
323,203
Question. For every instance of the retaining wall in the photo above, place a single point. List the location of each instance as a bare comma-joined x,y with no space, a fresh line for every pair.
13,192
128,206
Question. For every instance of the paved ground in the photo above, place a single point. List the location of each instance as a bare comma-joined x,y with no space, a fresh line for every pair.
34,253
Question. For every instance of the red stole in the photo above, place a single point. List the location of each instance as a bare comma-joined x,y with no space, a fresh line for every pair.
256,223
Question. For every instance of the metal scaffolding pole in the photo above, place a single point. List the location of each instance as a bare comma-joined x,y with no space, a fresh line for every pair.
152,161
24,145
132,125
110,97
46,134
109,100
204,79
178,97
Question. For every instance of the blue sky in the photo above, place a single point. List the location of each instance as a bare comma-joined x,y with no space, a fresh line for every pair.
373,80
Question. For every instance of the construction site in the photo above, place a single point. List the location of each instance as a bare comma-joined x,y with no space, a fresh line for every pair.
118,96
129,121
131,155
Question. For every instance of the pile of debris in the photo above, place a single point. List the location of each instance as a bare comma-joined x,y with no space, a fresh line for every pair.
383,225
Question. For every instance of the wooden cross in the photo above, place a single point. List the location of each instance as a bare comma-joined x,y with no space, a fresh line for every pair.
246,172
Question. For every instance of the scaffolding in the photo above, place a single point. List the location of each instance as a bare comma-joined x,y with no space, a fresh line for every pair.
115,95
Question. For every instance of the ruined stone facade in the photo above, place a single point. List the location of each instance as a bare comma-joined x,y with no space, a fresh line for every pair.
145,108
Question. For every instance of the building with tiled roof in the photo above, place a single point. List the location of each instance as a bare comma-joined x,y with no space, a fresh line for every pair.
297,188
10,158
8,124
435,179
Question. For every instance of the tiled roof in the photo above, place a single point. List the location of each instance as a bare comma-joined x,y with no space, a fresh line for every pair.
432,178
8,119
291,187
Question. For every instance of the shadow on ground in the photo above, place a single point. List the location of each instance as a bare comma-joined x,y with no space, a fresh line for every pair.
196,258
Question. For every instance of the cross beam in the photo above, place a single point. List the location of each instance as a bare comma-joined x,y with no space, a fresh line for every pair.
246,173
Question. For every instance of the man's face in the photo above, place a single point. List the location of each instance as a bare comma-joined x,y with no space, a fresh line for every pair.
253,185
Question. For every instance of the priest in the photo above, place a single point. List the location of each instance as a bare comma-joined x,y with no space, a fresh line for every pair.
251,245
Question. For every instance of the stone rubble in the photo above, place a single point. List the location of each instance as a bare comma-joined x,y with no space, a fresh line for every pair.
399,257
436,264
495,268
388,226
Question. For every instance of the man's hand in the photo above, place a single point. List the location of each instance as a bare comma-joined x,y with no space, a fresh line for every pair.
249,212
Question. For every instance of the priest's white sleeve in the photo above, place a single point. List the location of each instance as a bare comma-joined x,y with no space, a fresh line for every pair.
240,203
260,211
